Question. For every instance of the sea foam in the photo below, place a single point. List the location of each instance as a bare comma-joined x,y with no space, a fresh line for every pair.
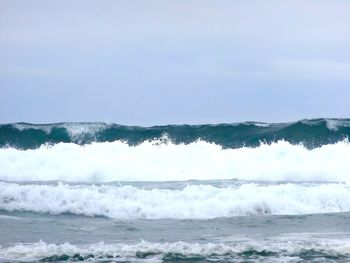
165,161
191,202
283,251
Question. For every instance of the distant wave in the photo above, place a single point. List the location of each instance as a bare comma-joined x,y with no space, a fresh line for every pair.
312,133
191,202
156,161
282,251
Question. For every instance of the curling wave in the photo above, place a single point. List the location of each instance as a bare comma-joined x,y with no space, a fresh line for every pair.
311,133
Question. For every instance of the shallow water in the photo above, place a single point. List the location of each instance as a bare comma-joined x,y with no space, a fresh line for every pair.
32,236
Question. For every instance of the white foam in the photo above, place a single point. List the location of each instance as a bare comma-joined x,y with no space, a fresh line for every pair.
334,124
24,126
287,250
331,124
76,131
196,201
154,161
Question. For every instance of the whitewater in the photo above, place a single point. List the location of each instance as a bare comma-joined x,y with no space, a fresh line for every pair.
191,202
158,161
241,192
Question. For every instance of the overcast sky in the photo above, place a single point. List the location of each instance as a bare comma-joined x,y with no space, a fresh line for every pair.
184,61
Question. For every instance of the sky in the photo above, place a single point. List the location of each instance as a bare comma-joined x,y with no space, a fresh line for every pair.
160,62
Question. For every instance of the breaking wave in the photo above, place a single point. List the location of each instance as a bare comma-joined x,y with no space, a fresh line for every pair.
156,161
191,202
311,133
291,251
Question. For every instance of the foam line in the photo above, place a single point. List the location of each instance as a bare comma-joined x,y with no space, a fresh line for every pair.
283,251
191,202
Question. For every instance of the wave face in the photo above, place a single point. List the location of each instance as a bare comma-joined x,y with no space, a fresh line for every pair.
311,133
191,202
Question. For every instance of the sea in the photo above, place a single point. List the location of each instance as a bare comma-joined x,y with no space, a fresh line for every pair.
235,192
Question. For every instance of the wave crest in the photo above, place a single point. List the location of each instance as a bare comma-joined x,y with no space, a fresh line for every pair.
312,133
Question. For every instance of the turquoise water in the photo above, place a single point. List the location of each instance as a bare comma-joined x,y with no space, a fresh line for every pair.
312,133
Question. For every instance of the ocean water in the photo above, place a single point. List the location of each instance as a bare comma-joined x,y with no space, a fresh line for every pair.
242,192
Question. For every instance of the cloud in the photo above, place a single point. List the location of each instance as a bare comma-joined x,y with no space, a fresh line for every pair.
181,61
154,22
